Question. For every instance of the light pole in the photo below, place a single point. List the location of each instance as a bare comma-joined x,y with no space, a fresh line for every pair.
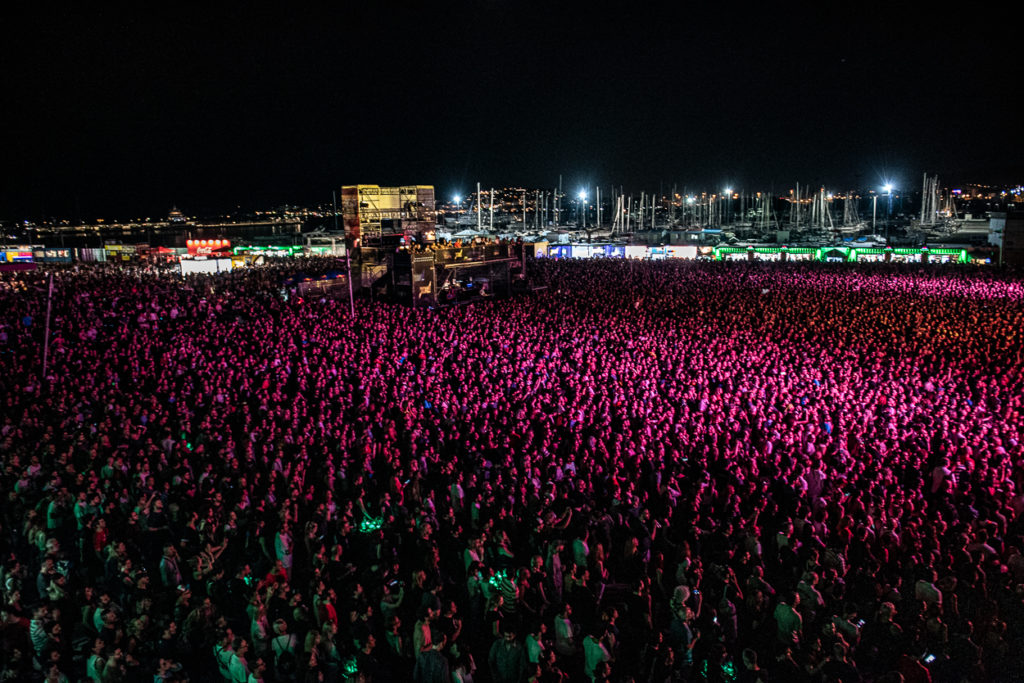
888,191
457,201
583,207
727,196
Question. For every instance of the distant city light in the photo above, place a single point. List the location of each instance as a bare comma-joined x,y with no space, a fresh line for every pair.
728,191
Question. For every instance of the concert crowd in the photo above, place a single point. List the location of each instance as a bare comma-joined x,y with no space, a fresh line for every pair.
644,472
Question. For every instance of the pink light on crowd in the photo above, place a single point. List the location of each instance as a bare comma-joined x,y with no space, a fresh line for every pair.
686,445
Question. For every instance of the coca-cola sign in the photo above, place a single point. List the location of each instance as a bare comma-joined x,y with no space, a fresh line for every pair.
207,247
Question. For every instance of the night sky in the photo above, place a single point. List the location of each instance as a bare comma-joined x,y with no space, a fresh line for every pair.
121,115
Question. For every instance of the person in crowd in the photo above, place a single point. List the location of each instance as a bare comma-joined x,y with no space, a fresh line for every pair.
507,658
209,470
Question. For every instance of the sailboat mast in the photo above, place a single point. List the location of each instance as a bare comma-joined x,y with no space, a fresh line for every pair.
924,197
558,202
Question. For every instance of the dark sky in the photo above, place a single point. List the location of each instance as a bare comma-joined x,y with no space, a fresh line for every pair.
119,115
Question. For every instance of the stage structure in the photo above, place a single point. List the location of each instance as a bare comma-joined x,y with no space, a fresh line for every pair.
456,275
374,215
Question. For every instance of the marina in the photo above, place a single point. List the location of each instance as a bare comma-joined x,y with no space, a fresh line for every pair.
592,222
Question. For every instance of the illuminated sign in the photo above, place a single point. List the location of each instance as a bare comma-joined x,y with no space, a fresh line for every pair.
206,247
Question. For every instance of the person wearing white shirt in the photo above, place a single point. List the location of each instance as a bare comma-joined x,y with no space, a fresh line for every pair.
238,668
941,474
259,667
925,589
283,546
94,665
594,652
535,644
580,549
565,636
474,553
223,655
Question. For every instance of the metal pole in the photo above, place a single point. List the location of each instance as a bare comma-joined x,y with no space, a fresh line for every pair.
887,214
348,259
351,299
46,337
558,204
924,198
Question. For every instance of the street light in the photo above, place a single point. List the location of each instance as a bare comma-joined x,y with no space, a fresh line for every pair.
874,210
888,212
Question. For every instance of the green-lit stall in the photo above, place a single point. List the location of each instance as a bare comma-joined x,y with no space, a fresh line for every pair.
910,254
752,253
843,254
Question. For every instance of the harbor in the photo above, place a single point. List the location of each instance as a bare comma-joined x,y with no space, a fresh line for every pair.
932,224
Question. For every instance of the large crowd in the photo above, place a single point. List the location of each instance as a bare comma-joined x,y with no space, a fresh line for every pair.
644,472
